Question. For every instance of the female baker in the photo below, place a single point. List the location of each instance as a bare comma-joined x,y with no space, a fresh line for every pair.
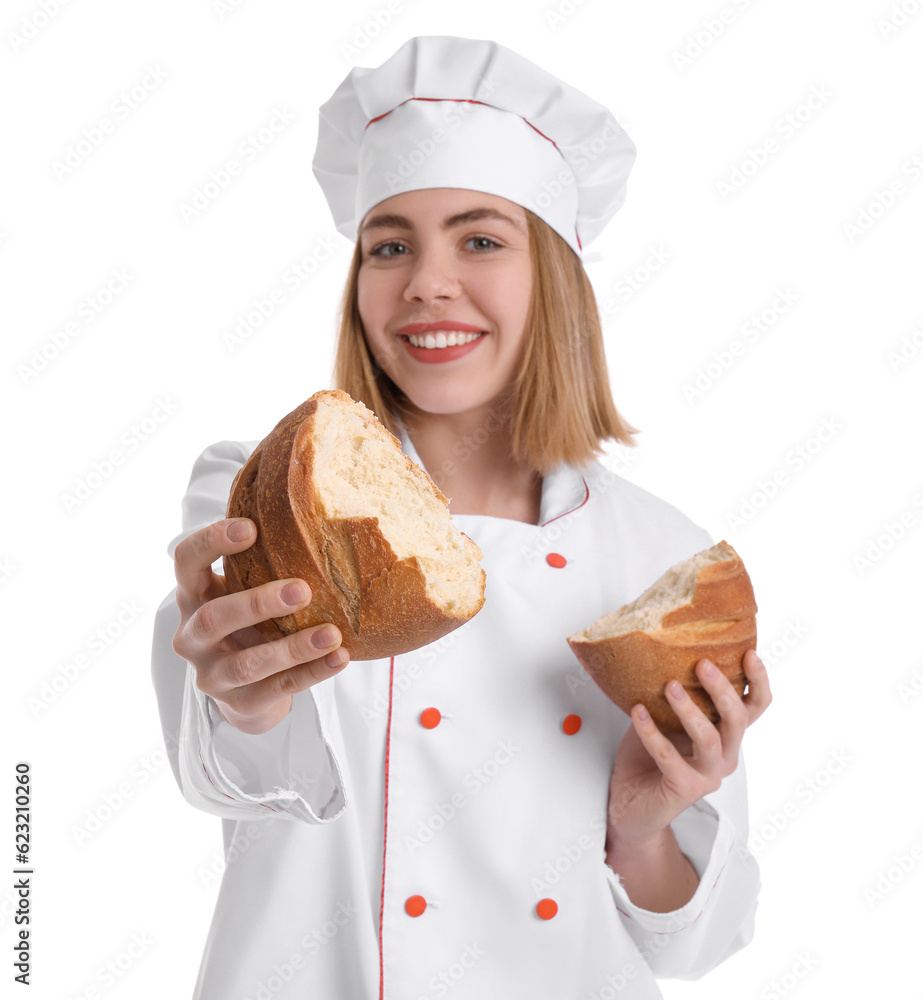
474,818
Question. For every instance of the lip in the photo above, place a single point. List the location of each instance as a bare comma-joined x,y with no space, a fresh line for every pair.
441,355
414,329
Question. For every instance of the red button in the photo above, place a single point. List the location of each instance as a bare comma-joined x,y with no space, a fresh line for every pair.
546,908
556,559
430,718
415,905
572,724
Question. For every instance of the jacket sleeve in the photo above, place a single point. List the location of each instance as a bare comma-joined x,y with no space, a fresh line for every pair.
292,770
719,919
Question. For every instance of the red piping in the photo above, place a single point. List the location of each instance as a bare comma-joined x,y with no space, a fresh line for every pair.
579,505
384,848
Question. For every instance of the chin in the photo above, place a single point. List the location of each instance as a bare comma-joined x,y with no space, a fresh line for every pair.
447,402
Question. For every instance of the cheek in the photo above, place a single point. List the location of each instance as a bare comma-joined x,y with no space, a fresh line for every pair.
511,297
364,299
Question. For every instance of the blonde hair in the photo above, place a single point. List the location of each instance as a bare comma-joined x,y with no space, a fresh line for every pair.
560,408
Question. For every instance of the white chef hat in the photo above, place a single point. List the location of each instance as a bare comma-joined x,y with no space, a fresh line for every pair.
469,113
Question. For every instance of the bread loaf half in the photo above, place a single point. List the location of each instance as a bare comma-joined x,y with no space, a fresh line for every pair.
339,505
702,608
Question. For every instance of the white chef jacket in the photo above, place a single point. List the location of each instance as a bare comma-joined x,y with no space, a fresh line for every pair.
363,798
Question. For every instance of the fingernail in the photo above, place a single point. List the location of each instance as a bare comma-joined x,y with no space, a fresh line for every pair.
322,639
335,659
708,668
292,594
643,713
676,689
239,530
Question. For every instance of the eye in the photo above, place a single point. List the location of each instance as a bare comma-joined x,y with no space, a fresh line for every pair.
380,250
482,240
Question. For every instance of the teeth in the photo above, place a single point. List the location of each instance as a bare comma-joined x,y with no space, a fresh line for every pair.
444,338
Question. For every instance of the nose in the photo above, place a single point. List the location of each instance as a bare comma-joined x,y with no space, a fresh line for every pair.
434,276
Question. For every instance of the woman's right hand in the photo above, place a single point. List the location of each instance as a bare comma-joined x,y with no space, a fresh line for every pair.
250,678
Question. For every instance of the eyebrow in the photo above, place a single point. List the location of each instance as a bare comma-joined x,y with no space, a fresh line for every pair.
392,221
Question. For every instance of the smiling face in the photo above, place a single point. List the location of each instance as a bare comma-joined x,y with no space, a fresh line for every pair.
443,292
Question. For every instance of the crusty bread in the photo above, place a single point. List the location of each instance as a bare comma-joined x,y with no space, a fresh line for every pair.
339,505
701,608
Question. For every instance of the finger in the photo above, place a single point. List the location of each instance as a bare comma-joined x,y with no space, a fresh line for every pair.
706,740
193,557
734,717
253,699
759,697
215,620
247,667
671,763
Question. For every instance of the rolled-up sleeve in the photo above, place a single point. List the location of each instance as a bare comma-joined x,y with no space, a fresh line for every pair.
293,769
719,918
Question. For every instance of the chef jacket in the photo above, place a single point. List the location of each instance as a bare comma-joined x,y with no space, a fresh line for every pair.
434,824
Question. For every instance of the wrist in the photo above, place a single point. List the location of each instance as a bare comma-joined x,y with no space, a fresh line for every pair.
256,724
652,869
640,846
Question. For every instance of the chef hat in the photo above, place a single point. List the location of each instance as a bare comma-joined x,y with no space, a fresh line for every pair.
469,113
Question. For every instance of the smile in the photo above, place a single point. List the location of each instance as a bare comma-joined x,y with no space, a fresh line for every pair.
443,338
439,346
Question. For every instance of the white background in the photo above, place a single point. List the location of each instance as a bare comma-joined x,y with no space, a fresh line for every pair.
802,449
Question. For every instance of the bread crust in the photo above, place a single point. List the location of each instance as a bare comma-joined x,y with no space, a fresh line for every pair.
378,601
718,624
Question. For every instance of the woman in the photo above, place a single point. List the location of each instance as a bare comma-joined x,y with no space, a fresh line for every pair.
474,816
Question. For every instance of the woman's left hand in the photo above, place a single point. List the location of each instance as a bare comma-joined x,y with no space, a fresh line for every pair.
657,776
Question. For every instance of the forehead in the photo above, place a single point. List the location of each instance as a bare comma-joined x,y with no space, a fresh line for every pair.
446,207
